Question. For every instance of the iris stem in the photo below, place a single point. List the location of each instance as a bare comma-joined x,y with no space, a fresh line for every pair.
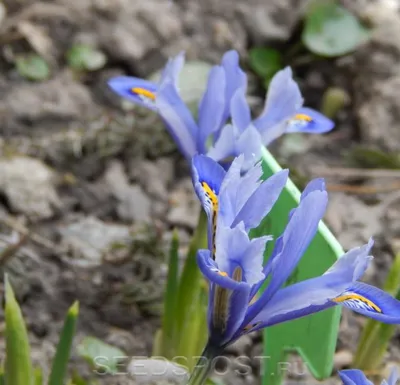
204,365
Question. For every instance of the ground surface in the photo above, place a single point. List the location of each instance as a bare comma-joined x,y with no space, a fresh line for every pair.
82,174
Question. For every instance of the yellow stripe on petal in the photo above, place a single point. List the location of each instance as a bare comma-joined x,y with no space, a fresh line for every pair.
357,301
143,92
303,117
212,200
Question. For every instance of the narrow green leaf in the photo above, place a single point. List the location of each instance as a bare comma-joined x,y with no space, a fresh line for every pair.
265,62
102,357
331,30
2,376
190,285
171,294
376,336
38,374
83,57
18,366
32,67
60,361
373,158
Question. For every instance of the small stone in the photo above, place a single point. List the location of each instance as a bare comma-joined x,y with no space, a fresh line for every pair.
90,239
343,359
134,205
29,186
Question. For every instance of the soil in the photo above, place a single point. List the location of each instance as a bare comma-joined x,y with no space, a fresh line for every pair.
96,187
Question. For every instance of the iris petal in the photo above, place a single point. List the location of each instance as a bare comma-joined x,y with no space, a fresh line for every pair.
135,90
371,302
282,102
211,107
240,110
310,121
224,147
314,294
178,118
260,203
354,377
297,236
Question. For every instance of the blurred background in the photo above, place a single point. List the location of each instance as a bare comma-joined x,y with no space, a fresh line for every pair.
91,187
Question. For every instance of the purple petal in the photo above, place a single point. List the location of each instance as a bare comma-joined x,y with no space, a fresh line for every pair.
354,377
371,302
260,203
178,118
282,102
224,147
235,78
211,107
240,110
310,121
298,234
136,90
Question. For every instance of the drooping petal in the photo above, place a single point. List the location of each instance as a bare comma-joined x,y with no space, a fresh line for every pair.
207,177
212,107
298,234
282,102
228,303
235,78
136,90
354,377
310,121
260,203
240,110
178,118
371,302
314,294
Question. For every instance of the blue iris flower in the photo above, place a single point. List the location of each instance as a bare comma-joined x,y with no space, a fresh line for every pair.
233,263
224,127
357,377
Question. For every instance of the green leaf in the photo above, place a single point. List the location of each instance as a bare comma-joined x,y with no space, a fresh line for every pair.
331,30
103,357
60,361
38,374
265,62
83,57
32,67
18,366
168,336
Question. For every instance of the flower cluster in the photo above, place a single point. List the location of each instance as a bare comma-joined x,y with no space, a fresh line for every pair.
233,263
224,128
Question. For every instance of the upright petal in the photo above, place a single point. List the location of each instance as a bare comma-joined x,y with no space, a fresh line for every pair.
172,69
240,110
371,302
260,203
317,184
224,147
249,144
235,249
354,377
298,234
136,90
394,376
235,78
310,121
212,106
178,118
314,294
283,101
